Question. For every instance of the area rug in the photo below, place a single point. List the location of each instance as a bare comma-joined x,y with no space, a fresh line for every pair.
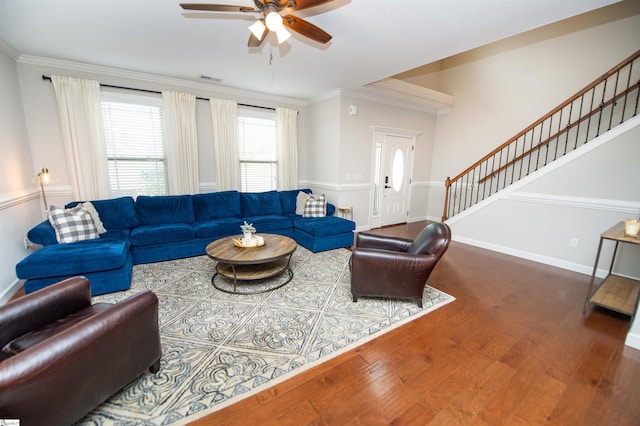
218,348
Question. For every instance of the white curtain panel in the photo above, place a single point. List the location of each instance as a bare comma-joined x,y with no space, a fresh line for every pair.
182,142
224,114
287,139
80,110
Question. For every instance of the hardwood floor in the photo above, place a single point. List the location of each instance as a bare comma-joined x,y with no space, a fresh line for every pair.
514,348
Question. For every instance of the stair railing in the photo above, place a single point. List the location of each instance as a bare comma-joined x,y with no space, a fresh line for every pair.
608,101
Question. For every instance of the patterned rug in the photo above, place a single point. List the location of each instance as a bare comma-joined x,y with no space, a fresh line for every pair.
218,348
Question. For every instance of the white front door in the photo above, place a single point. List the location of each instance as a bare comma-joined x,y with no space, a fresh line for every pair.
395,179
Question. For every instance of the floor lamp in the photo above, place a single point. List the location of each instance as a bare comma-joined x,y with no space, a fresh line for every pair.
43,177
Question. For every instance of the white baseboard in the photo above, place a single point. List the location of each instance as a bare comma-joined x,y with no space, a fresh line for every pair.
563,264
8,292
633,340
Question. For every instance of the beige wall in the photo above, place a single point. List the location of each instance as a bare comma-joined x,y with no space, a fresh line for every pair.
502,88
19,202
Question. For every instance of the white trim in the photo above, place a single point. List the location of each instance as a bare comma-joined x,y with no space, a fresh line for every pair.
59,191
619,206
378,98
394,131
153,78
633,340
350,187
570,266
18,197
584,149
10,290
421,184
9,50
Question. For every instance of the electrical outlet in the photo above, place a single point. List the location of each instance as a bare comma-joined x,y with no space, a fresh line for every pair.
573,242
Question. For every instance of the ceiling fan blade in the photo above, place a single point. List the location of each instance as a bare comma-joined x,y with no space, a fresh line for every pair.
306,28
305,4
255,41
216,7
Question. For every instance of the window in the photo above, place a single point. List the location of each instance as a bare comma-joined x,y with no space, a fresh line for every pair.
257,150
136,159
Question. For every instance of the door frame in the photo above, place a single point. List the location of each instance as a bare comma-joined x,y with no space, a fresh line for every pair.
380,134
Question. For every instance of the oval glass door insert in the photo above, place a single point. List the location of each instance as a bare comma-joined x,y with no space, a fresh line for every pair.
397,173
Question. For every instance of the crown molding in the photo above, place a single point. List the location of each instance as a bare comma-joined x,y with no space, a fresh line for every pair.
154,78
10,51
394,93
398,93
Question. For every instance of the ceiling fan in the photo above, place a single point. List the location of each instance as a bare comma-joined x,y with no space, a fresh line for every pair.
271,19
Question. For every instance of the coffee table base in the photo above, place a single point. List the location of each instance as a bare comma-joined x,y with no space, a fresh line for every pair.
232,279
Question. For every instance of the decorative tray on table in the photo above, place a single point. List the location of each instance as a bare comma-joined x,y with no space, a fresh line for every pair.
254,242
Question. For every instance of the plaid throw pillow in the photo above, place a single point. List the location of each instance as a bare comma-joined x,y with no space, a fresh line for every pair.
315,206
73,224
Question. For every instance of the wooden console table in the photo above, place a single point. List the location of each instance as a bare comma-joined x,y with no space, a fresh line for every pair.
616,293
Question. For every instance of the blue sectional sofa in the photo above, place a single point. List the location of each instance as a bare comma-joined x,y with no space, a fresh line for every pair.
158,228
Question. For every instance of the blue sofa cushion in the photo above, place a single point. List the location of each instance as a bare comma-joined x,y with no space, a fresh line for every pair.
158,234
217,228
216,205
288,200
260,203
268,223
115,213
161,209
324,226
74,259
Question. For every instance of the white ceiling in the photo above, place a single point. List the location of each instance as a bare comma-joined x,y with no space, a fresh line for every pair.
372,39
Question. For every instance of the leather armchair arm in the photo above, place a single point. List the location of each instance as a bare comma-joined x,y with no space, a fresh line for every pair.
66,372
384,242
386,273
35,310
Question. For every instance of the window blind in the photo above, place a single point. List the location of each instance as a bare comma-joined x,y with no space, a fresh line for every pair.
257,150
136,158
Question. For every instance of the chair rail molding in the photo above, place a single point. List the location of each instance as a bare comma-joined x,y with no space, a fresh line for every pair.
618,206
15,198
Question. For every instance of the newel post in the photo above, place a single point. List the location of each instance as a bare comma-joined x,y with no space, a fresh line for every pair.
447,184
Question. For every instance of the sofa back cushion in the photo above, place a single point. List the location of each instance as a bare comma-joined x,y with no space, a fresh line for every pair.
260,203
160,209
115,213
288,200
216,205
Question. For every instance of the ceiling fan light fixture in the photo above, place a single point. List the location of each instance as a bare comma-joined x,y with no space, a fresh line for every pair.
258,29
283,35
274,21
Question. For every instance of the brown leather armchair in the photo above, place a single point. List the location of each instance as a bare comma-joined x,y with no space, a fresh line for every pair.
385,266
62,356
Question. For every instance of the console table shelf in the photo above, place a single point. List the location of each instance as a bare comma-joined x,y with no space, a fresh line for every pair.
619,294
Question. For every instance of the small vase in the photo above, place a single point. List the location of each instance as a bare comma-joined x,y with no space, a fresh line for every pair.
247,237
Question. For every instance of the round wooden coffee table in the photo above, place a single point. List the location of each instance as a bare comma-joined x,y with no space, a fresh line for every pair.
250,264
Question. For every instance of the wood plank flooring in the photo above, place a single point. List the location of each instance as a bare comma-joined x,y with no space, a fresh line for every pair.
513,349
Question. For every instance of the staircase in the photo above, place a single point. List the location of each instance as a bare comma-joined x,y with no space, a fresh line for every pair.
604,104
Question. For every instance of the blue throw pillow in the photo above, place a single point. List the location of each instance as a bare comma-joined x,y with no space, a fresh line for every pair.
288,199
260,203
216,205
115,213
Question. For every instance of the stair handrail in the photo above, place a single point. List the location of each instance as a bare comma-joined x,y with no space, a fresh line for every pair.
629,60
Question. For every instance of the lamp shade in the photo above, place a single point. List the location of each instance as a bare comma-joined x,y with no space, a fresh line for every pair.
258,29
283,35
273,20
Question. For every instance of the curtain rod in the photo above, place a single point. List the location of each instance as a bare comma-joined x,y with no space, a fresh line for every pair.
47,78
